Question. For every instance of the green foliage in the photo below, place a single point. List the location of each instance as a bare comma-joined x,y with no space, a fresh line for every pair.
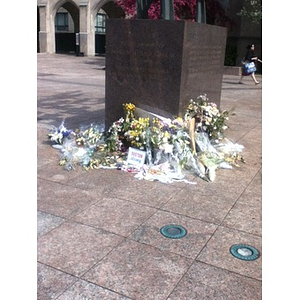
252,9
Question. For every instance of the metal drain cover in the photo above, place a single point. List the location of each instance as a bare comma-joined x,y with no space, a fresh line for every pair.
244,252
173,231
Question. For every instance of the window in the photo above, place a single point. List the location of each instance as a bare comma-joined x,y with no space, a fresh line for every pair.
100,23
61,21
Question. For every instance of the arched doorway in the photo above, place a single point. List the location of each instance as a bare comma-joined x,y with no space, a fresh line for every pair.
108,10
100,32
66,26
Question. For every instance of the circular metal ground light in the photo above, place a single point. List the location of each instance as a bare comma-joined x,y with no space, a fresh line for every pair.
244,252
173,231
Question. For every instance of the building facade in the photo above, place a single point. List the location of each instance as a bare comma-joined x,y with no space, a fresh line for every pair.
74,25
78,26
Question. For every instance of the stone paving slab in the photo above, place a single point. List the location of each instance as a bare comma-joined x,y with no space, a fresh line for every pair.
216,252
246,214
99,230
139,271
115,215
62,200
208,208
199,233
52,282
203,281
86,290
47,222
74,248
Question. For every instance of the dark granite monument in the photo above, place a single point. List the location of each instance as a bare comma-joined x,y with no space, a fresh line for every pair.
159,65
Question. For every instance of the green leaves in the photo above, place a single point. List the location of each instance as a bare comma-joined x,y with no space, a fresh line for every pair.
252,9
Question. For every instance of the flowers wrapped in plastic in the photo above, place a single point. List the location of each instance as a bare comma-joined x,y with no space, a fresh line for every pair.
57,135
195,143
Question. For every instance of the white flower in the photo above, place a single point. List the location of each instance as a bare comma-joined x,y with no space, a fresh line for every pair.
166,147
165,139
56,137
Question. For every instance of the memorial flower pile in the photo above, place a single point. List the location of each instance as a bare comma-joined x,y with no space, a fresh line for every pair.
163,148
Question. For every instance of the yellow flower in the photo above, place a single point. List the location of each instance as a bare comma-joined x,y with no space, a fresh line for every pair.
167,134
129,106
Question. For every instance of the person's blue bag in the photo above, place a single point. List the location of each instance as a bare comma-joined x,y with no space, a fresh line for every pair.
250,67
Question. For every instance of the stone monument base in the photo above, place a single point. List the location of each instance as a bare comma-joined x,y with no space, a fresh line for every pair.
159,65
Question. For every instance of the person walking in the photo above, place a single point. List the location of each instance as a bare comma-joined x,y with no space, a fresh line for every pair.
249,58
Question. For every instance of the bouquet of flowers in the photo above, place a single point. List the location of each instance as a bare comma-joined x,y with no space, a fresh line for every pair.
57,135
207,116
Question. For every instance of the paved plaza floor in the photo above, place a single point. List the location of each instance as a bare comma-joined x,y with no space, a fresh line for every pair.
99,230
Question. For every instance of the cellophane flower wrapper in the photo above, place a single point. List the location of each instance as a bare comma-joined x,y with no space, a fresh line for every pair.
72,155
79,147
203,142
231,152
58,135
164,173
